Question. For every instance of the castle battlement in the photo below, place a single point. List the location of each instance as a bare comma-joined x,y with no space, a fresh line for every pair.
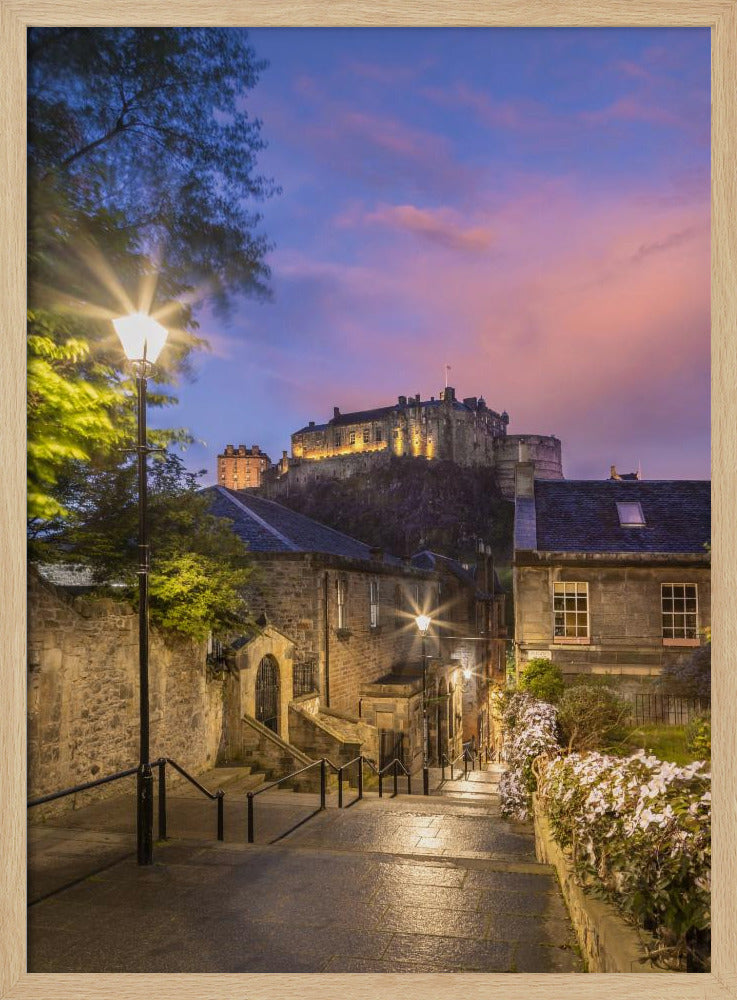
466,432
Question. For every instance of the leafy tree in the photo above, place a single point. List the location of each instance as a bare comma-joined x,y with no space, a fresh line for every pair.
591,717
543,679
142,175
199,567
689,676
150,125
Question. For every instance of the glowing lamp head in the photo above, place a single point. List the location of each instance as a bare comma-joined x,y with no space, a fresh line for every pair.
466,674
423,623
142,336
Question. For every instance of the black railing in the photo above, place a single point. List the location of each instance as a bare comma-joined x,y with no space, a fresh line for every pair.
467,755
394,766
216,796
666,709
161,763
323,764
82,788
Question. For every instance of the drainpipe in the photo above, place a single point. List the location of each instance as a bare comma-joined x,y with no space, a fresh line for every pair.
327,642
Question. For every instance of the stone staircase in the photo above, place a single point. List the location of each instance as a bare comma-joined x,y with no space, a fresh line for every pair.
233,779
478,786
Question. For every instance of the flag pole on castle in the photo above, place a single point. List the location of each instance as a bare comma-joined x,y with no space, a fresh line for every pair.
447,369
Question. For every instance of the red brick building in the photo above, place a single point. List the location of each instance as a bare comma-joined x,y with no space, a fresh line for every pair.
242,468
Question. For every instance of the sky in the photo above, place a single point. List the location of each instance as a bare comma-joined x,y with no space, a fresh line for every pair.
528,206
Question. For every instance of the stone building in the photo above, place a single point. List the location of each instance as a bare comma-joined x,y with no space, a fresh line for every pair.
610,577
466,432
354,672
242,468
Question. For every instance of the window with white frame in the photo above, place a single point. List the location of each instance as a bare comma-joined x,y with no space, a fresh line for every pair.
571,610
374,603
680,610
340,593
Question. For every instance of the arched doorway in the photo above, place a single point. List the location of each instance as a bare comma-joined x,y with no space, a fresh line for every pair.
267,693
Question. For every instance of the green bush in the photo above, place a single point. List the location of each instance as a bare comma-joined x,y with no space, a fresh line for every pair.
591,717
543,680
698,736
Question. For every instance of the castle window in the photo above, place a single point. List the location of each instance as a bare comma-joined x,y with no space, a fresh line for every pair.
378,436
680,608
571,610
374,603
337,439
366,435
340,595
352,437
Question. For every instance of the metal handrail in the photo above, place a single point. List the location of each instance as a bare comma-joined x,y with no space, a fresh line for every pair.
395,764
218,795
81,788
250,796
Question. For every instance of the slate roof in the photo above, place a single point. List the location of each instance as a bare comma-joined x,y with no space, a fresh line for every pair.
582,516
267,526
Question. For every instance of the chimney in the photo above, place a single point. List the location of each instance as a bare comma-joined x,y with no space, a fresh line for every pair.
613,474
311,423
336,412
402,400
448,394
524,480
376,553
417,397
255,449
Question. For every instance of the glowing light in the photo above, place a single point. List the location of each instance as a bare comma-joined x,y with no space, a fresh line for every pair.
423,623
142,336
467,673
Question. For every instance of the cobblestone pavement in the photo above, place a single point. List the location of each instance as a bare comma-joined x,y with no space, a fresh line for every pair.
406,884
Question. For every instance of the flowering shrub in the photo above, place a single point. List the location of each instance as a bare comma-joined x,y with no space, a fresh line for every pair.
529,731
642,828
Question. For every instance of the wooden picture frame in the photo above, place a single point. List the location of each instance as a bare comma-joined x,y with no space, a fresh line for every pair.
718,15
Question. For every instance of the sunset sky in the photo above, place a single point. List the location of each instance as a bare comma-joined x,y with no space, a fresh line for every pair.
528,206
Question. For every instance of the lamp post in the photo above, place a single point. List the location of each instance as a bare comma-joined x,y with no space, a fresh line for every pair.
423,624
142,339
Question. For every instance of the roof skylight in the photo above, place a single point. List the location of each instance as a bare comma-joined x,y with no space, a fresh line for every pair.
630,514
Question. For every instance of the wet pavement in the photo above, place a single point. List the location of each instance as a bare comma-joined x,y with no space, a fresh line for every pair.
406,884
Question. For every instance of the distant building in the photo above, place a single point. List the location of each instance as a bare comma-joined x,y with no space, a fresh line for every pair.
350,674
242,468
466,432
612,576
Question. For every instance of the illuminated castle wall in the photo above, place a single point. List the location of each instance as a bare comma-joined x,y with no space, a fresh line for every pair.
466,432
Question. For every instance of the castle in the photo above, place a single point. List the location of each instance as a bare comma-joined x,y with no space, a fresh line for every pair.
466,432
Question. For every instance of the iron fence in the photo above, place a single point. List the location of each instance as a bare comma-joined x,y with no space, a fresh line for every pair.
304,679
666,709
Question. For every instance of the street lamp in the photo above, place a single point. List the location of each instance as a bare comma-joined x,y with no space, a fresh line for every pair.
142,339
423,624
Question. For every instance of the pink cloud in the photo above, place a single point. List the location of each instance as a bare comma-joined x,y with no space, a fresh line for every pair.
441,226
589,320
631,109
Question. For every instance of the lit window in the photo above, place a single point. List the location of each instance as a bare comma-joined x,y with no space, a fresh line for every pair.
680,609
340,587
374,603
630,515
352,437
366,435
571,610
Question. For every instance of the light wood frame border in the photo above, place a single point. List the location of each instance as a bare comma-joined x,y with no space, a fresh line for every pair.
15,15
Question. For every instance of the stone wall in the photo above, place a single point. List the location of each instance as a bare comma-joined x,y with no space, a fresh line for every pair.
83,707
625,630
291,589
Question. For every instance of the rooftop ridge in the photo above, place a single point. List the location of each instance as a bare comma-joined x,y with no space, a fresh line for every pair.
259,520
